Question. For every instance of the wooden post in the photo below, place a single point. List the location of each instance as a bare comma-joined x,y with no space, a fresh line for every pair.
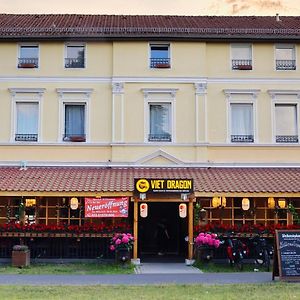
135,228
191,229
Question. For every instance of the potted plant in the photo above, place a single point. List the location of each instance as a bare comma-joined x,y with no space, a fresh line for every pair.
122,244
20,256
206,243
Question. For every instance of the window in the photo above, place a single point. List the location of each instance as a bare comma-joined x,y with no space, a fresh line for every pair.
74,123
286,123
241,55
75,56
285,57
27,121
242,122
159,56
28,56
160,122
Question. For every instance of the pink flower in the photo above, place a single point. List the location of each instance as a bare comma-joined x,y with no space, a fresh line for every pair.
112,247
217,243
118,241
125,239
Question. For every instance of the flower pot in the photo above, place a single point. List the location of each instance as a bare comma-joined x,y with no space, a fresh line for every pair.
122,256
205,253
21,258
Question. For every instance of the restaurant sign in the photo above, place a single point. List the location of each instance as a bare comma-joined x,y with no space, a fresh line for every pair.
106,207
144,185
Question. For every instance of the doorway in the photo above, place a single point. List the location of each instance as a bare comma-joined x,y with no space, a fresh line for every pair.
176,245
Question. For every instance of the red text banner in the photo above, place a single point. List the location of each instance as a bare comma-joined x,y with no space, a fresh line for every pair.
106,207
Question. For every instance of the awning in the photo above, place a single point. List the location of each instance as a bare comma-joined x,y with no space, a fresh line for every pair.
59,181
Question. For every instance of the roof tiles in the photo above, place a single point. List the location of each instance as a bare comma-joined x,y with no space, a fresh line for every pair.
100,179
146,26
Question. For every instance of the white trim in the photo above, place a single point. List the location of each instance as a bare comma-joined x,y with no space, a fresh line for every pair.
159,153
76,96
163,99
25,95
232,98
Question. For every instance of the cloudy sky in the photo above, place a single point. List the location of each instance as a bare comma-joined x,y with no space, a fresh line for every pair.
164,7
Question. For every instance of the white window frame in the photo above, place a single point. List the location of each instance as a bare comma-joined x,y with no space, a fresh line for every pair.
26,95
284,97
66,51
159,96
19,55
241,97
169,54
241,45
76,97
285,46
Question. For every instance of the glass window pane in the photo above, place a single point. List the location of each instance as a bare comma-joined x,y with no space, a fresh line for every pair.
160,118
241,119
27,118
284,53
159,51
74,120
29,51
286,119
75,52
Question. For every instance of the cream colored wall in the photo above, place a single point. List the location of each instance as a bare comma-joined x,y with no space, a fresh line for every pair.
128,62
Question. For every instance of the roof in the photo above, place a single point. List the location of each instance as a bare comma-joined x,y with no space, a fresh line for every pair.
111,179
50,26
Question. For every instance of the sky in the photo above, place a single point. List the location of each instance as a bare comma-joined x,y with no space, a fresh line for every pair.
154,7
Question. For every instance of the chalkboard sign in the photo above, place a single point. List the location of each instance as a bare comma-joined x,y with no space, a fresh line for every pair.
288,254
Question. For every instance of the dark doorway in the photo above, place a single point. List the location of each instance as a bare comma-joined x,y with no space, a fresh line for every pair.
176,246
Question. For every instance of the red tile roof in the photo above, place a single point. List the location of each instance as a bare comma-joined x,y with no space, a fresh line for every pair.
100,179
146,26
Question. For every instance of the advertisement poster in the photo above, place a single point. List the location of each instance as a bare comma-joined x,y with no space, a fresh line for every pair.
106,207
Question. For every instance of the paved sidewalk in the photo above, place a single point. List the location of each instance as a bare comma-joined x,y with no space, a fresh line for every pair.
166,268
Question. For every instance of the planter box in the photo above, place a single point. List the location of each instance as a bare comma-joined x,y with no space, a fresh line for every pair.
20,258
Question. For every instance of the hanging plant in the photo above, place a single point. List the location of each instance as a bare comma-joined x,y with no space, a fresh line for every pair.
293,211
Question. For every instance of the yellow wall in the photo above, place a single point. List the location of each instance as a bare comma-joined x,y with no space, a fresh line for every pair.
128,62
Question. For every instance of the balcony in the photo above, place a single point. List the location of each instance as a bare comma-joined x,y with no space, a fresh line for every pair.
28,63
285,64
155,137
74,137
160,63
74,63
28,137
242,64
286,138
246,138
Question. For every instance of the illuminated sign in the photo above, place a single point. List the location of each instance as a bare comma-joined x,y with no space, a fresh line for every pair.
144,185
106,207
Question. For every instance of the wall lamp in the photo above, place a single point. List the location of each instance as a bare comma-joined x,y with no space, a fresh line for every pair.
184,197
143,196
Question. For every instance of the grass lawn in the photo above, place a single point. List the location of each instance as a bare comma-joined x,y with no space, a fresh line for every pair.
277,290
71,268
212,267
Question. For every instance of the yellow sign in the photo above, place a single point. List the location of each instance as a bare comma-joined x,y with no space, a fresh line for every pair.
144,185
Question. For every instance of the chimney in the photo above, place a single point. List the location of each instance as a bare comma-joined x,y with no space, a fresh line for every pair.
277,18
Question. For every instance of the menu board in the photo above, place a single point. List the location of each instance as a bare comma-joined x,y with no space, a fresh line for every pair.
288,254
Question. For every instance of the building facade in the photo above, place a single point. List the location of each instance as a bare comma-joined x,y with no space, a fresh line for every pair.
91,103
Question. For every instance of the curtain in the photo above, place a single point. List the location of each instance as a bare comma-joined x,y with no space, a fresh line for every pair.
27,118
160,119
286,119
74,120
241,119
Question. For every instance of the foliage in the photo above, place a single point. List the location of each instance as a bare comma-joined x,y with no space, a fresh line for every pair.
121,241
292,210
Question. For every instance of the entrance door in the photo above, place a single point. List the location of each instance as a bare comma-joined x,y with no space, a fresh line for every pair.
177,228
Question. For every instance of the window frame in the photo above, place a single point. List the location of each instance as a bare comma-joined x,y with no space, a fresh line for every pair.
76,97
241,97
243,67
285,46
159,96
69,44
25,96
29,65
158,65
